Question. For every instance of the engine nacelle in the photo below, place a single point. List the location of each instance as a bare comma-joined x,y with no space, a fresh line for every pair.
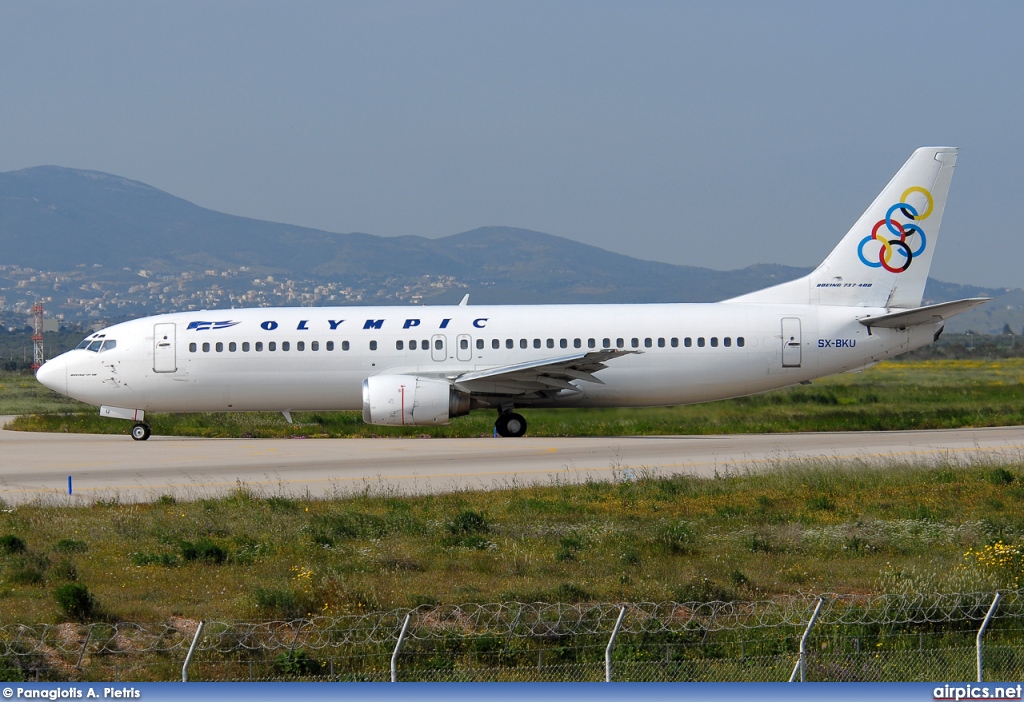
400,400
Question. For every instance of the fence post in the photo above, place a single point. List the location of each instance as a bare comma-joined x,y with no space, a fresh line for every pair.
981,631
191,650
394,656
611,642
801,663
81,654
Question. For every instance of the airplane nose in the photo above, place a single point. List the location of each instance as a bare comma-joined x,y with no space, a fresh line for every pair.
54,374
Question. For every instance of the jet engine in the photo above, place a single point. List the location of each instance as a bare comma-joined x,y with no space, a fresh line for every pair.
400,400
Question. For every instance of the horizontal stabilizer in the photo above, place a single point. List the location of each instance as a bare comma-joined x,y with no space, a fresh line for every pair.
932,314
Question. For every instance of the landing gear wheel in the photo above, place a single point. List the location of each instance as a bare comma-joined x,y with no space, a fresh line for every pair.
510,424
140,432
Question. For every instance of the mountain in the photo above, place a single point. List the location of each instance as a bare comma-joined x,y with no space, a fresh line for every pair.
107,231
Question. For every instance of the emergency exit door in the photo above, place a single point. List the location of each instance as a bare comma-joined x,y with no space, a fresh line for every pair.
164,357
791,342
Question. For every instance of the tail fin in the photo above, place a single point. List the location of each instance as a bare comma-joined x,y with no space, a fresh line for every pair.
884,260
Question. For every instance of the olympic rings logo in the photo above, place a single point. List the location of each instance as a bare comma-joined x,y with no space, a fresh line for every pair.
898,248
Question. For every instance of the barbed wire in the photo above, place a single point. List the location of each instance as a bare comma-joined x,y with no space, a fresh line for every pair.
503,620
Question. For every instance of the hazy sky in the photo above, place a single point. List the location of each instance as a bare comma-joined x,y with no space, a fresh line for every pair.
717,134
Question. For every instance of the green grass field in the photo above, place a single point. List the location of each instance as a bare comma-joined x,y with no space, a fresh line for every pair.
824,528
893,395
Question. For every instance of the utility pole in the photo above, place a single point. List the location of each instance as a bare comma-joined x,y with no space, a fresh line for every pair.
37,336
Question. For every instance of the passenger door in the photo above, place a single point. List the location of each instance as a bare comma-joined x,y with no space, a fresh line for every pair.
791,342
164,355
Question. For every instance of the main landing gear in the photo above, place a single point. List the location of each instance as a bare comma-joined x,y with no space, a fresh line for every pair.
141,431
510,424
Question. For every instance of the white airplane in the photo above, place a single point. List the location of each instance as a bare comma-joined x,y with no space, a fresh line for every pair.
425,365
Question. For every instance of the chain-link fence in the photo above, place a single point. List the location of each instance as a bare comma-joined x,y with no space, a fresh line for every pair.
862,638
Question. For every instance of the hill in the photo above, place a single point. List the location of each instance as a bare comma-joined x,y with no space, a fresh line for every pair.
64,231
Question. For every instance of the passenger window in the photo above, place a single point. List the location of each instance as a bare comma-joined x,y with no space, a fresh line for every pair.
412,345
206,347
688,342
661,342
563,343
479,343
232,347
675,342
536,343
373,345
551,343
285,346
271,346
727,342
425,345
621,343
635,342
314,346
700,341
714,341
95,346
607,344
245,346
220,347
577,343
509,344
592,343
330,346
522,343
399,345
192,347
259,345
463,344
300,346
345,346
495,343
438,344
740,341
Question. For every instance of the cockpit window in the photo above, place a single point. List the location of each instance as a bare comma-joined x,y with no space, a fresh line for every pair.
95,346
85,343
109,344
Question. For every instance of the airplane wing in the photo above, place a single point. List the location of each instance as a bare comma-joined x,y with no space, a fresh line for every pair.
932,314
535,376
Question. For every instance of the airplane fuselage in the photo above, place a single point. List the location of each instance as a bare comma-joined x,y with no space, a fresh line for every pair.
317,358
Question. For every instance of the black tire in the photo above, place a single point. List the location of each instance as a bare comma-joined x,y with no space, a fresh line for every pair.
141,432
511,424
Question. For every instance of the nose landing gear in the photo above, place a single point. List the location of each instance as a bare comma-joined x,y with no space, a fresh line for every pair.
141,431
510,424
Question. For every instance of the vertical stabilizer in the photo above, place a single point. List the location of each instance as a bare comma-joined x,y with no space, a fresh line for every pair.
883,261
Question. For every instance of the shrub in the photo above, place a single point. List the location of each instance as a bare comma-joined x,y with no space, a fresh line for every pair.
75,600
568,592
1001,476
703,590
204,551
282,602
10,543
70,546
167,560
469,522
678,538
297,663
